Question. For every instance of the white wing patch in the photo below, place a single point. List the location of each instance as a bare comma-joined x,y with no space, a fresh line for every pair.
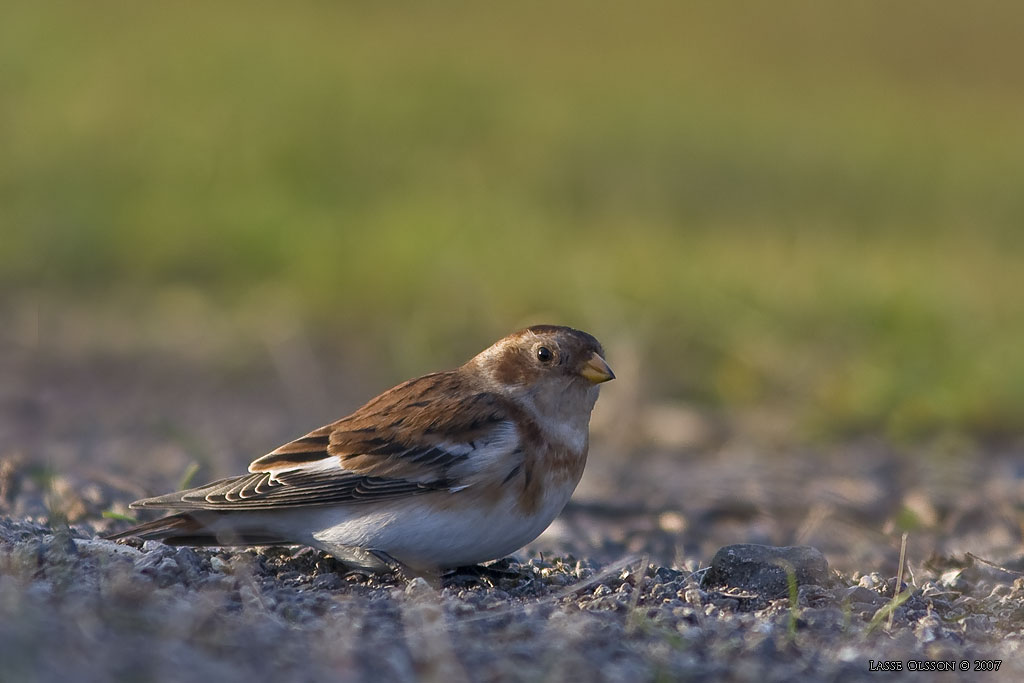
331,462
486,453
482,455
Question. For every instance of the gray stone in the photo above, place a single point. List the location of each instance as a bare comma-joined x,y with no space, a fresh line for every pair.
864,595
764,569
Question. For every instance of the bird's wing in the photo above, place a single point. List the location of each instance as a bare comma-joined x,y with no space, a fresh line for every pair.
425,435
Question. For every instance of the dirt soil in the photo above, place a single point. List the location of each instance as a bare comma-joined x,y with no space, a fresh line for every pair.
615,589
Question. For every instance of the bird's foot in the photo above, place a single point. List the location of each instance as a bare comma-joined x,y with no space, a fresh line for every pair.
405,573
485,575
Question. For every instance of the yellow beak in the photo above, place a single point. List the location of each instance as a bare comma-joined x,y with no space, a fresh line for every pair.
596,370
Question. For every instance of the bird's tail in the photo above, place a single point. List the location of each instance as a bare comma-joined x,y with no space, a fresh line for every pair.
197,529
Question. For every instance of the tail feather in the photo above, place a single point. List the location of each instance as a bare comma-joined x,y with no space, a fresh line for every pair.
194,529
160,529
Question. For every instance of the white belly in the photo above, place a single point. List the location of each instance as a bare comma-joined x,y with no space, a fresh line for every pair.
420,535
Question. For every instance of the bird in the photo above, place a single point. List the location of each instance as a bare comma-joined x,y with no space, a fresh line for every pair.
448,470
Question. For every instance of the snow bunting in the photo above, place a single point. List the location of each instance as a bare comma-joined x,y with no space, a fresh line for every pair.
450,469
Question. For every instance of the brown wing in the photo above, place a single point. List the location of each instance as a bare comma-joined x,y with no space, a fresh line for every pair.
427,434
413,431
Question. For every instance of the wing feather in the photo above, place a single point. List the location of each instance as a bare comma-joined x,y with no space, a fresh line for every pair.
262,491
428,434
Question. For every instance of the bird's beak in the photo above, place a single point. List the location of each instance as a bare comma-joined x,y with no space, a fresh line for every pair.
596,370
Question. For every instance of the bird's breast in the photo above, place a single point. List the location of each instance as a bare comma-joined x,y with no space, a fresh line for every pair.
547,478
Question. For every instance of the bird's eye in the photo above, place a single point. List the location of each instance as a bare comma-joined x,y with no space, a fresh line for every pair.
544,354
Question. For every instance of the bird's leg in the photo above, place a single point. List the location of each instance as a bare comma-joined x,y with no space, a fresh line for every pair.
404,572
488,575
391,564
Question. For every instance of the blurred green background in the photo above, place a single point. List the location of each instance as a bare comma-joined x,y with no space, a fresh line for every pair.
808,208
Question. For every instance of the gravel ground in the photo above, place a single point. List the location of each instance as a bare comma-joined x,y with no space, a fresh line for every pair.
107,612
616,589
